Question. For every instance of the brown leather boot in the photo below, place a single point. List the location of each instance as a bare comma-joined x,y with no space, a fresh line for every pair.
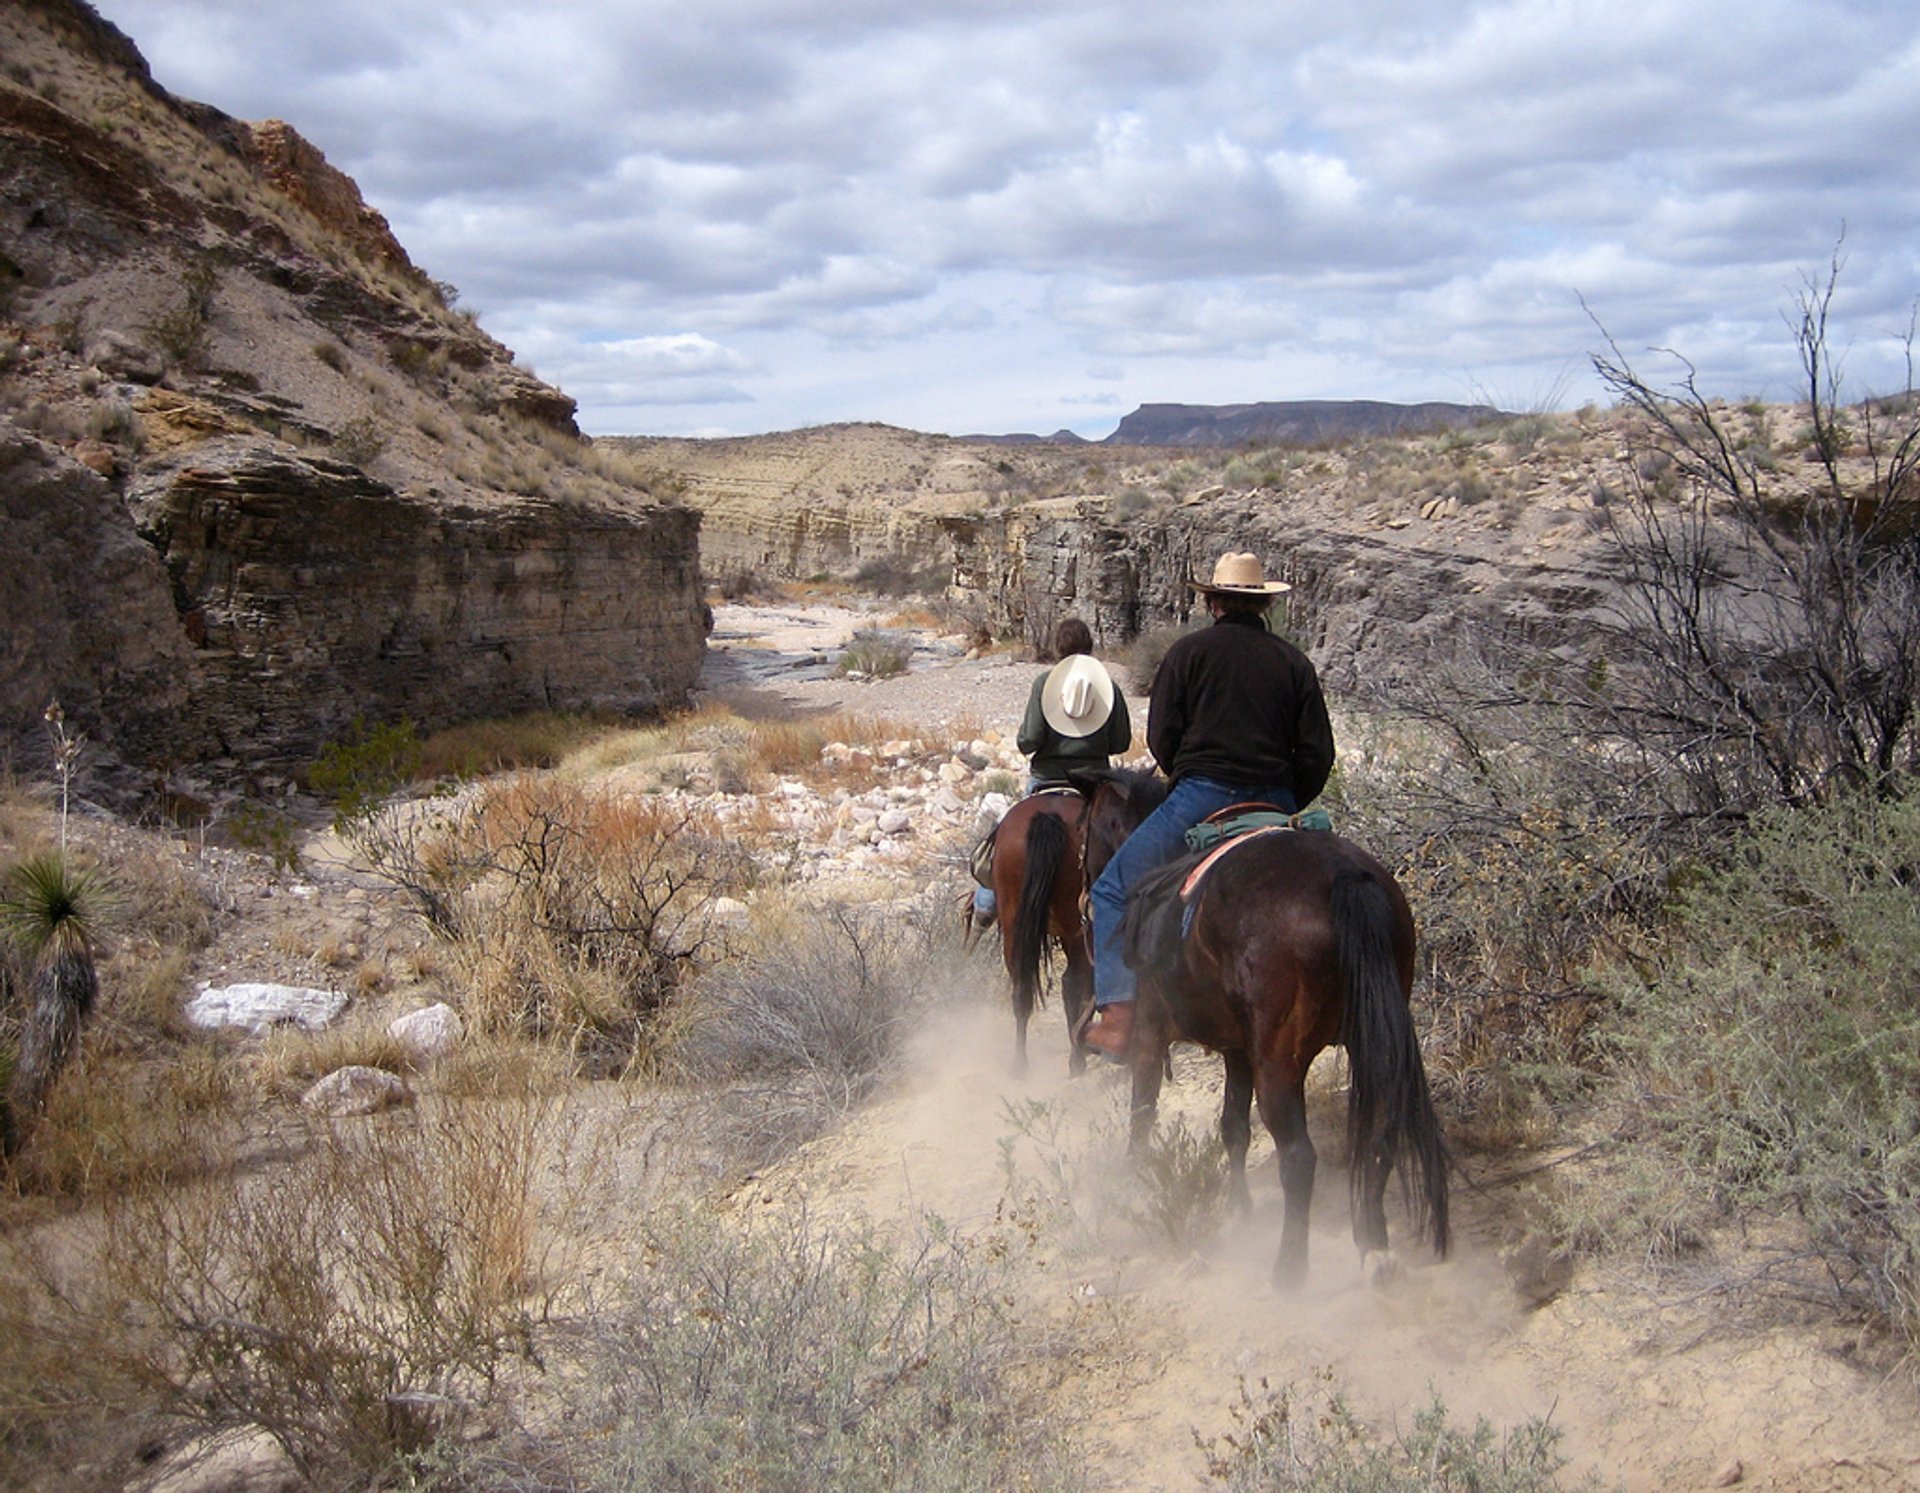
1110,1033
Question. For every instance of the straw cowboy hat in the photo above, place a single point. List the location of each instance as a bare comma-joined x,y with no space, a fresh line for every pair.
1078,695
1238,573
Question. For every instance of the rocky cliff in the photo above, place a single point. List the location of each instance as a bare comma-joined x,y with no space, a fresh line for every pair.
261,476
1392,544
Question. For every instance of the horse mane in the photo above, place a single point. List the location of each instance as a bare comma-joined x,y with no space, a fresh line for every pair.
1142,787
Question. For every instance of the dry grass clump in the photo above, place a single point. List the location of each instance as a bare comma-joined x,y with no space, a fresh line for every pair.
355,1305
290,1061
804,1023
538,738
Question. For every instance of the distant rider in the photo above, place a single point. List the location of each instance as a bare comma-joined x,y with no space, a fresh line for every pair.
1076,717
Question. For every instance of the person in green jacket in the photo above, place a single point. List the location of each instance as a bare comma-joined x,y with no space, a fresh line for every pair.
1076,717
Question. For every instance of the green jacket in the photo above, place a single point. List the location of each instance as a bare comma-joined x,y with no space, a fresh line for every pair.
1052,755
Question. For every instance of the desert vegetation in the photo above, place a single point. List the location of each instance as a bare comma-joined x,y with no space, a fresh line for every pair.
1665,892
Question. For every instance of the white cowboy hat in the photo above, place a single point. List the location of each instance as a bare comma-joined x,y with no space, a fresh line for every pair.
1078,695
1238,573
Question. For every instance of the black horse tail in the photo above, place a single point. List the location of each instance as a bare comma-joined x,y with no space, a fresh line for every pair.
1390,1116
1047,846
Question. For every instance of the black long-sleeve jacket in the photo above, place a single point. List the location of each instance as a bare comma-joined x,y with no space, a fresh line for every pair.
1237,704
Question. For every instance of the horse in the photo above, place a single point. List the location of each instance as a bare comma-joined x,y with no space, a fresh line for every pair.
1037,882
1296,940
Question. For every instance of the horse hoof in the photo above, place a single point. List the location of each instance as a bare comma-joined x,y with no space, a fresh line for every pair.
1379,1267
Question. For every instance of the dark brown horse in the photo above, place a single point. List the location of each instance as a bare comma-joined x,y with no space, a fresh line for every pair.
1299,939
1036,879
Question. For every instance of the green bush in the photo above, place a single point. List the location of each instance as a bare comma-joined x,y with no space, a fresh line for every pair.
876,654
1283,1443
357,773
783,1357
1767,1054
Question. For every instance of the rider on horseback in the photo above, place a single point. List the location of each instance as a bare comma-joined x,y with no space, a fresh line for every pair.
1236,716
1076,717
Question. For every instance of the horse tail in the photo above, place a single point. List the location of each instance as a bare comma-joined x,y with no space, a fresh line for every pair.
1047,848
1390,1114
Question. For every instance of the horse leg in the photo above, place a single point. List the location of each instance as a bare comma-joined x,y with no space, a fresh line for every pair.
1236,1128
1283,1106
1076,994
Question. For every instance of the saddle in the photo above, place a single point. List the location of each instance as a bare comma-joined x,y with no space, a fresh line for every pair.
1160,906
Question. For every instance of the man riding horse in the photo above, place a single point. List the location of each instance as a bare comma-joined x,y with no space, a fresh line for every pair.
1236,716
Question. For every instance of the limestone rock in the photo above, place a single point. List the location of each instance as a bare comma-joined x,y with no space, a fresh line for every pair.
356,1090
260,1005
429,1033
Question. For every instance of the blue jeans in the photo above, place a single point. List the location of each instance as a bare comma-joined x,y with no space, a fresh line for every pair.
1160,838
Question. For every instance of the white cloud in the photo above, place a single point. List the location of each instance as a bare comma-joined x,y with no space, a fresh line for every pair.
804,210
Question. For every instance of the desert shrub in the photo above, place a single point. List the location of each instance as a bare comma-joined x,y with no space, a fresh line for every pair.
182,331
809,1018
876,654
52,913
360,441
785,1357
1183,1185
575,914
1767,1054
360,770
1519,867
899,575
354,1306
1804,678
1284,1440
1141,657
332,354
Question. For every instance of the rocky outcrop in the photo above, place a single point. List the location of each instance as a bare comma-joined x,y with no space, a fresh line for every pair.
1367,601
86,616
314,594
289,162
259,477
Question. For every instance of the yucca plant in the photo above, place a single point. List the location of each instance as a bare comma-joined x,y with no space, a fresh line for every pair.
52,916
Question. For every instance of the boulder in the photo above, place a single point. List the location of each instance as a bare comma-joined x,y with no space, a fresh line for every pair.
356,1090
430,1033
258,1006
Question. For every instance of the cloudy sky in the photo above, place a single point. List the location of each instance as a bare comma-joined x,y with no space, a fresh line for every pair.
731,216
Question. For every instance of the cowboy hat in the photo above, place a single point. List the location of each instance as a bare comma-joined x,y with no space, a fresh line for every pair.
1238,573
1077,697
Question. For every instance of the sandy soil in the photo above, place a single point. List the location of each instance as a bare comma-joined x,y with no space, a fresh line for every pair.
1655,1385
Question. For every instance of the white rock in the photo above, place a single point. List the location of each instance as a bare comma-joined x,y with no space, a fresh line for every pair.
429,1033
895,822
258,1006
991,810
954,771
356,1090
730,910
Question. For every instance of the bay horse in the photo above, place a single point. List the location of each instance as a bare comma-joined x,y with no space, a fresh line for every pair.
1037,882
1296,940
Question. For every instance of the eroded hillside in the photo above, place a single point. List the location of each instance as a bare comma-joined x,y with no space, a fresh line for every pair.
261,475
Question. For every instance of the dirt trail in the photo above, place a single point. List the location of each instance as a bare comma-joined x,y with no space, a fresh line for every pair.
1651,1393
